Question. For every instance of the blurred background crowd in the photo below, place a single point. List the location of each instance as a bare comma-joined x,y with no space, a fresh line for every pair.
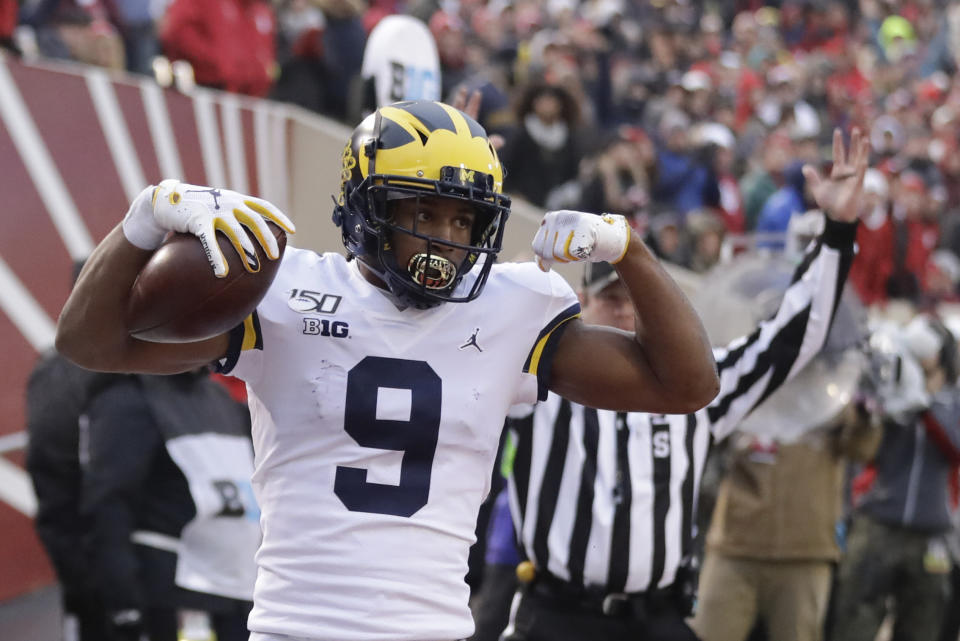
692,119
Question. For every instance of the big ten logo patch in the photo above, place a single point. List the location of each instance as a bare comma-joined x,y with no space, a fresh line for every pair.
236,499
325,327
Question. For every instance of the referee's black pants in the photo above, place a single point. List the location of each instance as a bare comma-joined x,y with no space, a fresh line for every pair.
539,618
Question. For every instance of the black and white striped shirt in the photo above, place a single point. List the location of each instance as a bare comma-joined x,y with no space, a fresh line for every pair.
607,499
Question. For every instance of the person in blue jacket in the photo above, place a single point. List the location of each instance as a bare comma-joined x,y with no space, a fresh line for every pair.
792,198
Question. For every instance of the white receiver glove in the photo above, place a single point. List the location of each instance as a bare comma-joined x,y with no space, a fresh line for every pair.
573,236
202,211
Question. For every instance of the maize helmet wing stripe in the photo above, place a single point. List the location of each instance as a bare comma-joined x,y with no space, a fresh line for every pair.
417,138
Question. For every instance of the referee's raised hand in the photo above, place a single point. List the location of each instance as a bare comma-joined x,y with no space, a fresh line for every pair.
838,195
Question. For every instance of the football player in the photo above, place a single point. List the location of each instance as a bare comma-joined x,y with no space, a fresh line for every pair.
379,382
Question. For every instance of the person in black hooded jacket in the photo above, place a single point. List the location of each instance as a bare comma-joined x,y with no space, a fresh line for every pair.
166,491
545,149
56,394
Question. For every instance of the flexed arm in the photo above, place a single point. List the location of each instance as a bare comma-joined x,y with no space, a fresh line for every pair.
665,365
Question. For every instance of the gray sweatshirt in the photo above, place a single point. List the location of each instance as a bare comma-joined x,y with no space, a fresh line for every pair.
913,464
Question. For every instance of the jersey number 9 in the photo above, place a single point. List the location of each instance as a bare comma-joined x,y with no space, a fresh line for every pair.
416,437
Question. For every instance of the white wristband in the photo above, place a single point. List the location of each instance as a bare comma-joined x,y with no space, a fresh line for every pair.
613,238
139,225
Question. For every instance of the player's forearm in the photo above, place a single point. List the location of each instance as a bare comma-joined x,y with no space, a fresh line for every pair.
91,331
669,333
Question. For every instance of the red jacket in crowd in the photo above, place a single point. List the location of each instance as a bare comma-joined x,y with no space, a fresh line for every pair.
8,18
230,43
876,261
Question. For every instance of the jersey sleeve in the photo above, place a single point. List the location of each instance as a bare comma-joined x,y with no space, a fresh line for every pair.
245,357
561,307
246,344
752,367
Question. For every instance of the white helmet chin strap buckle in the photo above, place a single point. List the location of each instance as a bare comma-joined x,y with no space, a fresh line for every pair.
432,272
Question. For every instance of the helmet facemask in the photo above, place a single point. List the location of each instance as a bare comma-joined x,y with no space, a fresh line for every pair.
432,275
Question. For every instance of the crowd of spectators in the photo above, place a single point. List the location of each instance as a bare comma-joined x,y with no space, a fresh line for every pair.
691,118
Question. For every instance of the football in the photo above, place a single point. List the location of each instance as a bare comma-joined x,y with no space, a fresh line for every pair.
177,299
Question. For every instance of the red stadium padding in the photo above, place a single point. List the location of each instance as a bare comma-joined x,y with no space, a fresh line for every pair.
31,247
131,103
59,102
23,563
250,150
63,112
184,124
18,359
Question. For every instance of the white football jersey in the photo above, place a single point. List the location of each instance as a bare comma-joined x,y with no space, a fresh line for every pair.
375,432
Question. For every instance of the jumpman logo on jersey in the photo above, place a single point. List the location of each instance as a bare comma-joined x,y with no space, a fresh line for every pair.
213,192
472,341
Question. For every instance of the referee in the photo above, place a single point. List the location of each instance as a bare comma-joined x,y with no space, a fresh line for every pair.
603,502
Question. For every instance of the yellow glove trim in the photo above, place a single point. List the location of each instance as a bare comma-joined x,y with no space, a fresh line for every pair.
556,238
625,247
232,237
269,215
219,225
244,219
566,248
